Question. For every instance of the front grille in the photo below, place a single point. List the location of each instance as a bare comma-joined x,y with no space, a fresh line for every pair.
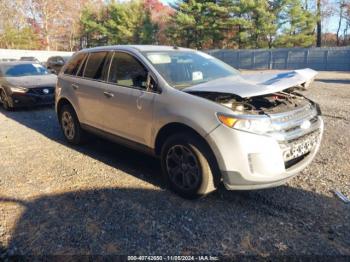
297,132
293,128
305,112
41,90
300,122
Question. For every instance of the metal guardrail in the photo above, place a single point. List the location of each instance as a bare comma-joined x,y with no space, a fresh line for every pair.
327,59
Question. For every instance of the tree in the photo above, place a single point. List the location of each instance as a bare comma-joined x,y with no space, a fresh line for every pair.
264,23
16,33
297,26
23,38
201,23
187,24
319,30
148,29
46,13
119,23
160,16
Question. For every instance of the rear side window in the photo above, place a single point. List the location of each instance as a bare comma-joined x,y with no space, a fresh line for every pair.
95,65
73,65
126,70
82,67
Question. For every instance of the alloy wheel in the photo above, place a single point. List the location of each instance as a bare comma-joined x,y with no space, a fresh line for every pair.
183,167
68,125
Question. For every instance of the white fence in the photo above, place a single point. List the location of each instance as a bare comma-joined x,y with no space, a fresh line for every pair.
42,56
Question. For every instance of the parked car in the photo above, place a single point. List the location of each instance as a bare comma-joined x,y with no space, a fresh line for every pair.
55,63
30,59
7,59
25,84
208,123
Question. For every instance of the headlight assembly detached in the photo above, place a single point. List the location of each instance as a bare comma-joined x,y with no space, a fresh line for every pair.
257,125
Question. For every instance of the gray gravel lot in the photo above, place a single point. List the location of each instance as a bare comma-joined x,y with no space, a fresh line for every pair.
102,198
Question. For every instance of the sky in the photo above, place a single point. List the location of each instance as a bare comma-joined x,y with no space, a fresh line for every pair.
330,25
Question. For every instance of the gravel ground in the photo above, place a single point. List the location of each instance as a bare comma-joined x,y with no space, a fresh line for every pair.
102,198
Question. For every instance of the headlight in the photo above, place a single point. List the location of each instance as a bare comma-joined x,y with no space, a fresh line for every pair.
254,125
17,89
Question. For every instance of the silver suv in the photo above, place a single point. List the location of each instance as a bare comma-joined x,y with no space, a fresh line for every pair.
208,123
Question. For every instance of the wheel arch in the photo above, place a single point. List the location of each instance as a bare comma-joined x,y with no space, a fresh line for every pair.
61,102
176,128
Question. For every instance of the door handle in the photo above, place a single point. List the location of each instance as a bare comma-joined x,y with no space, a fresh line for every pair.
75,86
108,94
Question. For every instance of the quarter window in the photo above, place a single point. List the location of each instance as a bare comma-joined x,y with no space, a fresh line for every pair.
126,70
73,65
95,65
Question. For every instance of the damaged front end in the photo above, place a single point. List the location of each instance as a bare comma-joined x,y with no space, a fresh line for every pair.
287,116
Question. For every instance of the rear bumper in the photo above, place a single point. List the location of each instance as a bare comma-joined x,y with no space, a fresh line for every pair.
21,100
249,161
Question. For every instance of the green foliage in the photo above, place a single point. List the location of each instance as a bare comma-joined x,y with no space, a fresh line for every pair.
242,24
198,22
23,38
297,26
147,30
119,23
201,24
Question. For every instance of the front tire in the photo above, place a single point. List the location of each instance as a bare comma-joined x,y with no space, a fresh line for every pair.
70,125
187,166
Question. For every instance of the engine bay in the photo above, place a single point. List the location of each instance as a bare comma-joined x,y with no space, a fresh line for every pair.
278,102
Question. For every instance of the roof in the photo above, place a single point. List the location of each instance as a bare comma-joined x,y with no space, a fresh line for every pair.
141,48
19,62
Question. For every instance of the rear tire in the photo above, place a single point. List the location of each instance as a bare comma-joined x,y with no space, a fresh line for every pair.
187,166
70,125
5,103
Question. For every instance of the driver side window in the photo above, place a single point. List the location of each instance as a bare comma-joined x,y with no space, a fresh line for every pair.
127,71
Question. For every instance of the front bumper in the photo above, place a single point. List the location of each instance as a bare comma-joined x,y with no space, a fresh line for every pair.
25,99
250,161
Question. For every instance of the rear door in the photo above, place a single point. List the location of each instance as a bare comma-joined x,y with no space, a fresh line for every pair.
91,87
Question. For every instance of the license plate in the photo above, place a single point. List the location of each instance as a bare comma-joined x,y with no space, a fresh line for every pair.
300,147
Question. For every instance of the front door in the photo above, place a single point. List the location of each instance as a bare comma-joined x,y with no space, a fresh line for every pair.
130,107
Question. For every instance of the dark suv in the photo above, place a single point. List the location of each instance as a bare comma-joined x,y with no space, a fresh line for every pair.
55,63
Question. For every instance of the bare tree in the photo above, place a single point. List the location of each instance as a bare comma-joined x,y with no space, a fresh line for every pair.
341,5
318,24
46,13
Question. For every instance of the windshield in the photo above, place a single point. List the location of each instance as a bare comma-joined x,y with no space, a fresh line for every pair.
24,70
187,68
66,58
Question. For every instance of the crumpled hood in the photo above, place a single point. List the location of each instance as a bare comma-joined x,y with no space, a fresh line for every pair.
256,84
33,81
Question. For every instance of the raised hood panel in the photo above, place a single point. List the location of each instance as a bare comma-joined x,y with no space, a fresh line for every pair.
33,81
256,84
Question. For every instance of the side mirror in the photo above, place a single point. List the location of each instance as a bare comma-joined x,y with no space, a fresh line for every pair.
151,85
